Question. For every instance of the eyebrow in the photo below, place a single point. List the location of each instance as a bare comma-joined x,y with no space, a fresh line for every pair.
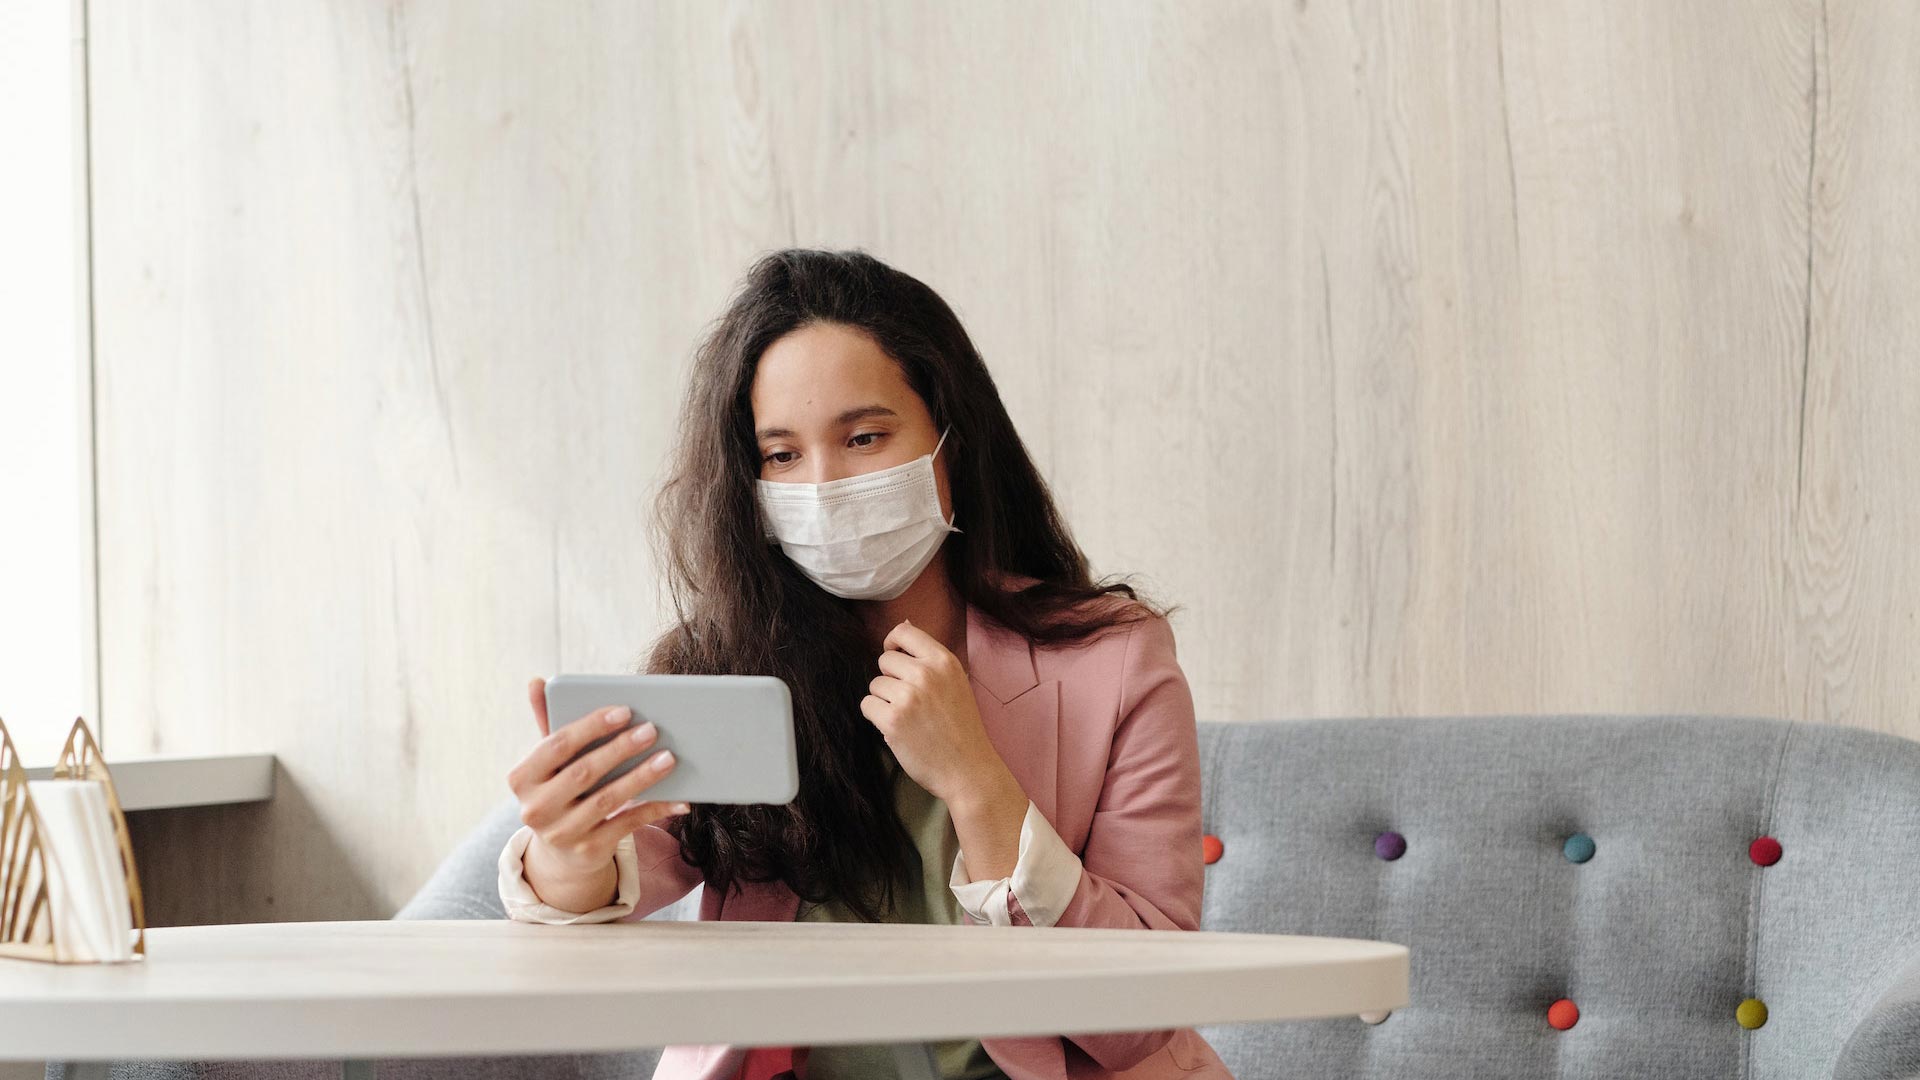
858,412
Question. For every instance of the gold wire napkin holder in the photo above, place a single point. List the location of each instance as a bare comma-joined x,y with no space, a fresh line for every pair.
29,934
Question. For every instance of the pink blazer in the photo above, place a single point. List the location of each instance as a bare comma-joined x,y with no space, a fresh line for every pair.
1102,739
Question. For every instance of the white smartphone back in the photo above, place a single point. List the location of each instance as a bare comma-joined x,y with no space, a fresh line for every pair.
731,735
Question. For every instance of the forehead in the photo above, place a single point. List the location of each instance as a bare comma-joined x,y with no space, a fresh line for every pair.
811,374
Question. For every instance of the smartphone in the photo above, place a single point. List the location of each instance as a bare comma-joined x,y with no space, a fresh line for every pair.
731,735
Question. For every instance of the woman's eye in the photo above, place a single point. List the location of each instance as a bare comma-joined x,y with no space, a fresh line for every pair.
780,457
865,435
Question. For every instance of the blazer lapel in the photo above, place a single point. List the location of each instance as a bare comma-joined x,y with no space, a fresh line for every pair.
1020,712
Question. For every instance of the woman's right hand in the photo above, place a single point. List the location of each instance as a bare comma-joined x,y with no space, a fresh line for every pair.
578,833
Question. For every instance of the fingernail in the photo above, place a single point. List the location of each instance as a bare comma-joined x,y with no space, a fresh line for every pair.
681,808
643,732
662,760
619,716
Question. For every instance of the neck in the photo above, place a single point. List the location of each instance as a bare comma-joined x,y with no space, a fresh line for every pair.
930,603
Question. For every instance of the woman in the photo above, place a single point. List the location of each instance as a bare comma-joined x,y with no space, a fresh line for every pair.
986,735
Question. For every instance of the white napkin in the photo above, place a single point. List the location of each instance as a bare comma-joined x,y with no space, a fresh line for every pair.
93,915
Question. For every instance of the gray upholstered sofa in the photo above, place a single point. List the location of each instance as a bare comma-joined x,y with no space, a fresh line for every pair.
1608,861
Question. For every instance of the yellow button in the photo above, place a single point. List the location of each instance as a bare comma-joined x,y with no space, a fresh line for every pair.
1751,1013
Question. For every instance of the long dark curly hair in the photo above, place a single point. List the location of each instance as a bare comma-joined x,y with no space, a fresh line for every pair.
742,608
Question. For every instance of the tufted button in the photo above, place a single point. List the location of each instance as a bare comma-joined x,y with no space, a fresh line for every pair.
1389,845
1578,848
1563,1014
1764,851
1374,1017
1751,1013
1211,848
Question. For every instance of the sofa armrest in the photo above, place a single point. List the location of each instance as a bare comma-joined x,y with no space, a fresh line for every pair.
1885,1044
465,885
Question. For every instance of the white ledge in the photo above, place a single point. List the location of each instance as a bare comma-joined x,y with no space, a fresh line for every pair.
159,783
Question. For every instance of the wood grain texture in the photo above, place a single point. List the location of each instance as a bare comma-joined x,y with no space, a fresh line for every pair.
1437,359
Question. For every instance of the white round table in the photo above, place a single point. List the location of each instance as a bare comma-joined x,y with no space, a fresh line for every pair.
364,990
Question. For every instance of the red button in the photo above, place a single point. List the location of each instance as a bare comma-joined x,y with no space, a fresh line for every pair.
1765,851
1211,848
1563,1014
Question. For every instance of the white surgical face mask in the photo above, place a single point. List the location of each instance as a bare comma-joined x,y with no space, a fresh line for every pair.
863,537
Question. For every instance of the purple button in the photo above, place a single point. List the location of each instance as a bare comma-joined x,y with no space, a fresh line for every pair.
1389,845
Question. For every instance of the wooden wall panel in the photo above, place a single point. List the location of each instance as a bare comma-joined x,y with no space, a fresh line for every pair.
1440,358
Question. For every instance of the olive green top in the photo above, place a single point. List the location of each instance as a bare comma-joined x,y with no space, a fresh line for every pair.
927,899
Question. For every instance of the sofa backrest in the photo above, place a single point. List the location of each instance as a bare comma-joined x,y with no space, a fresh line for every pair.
1658,934
1657,926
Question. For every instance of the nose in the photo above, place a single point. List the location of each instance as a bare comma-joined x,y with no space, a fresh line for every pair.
827,467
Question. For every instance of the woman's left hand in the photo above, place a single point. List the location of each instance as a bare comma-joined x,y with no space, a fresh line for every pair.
923,705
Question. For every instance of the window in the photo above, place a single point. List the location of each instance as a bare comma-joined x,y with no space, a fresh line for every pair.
46,497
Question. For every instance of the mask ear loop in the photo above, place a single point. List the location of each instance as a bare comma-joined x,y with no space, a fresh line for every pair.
936,450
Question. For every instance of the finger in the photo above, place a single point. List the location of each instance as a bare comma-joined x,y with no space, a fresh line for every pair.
625,743
576,838
643,773
878,711
570,785
909,639
888,689
588,812
901,666
557,748
634,818
537,696
624,810
913,640
564,787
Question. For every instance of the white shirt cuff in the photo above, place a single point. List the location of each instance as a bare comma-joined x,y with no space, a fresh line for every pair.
524,905
1044,878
